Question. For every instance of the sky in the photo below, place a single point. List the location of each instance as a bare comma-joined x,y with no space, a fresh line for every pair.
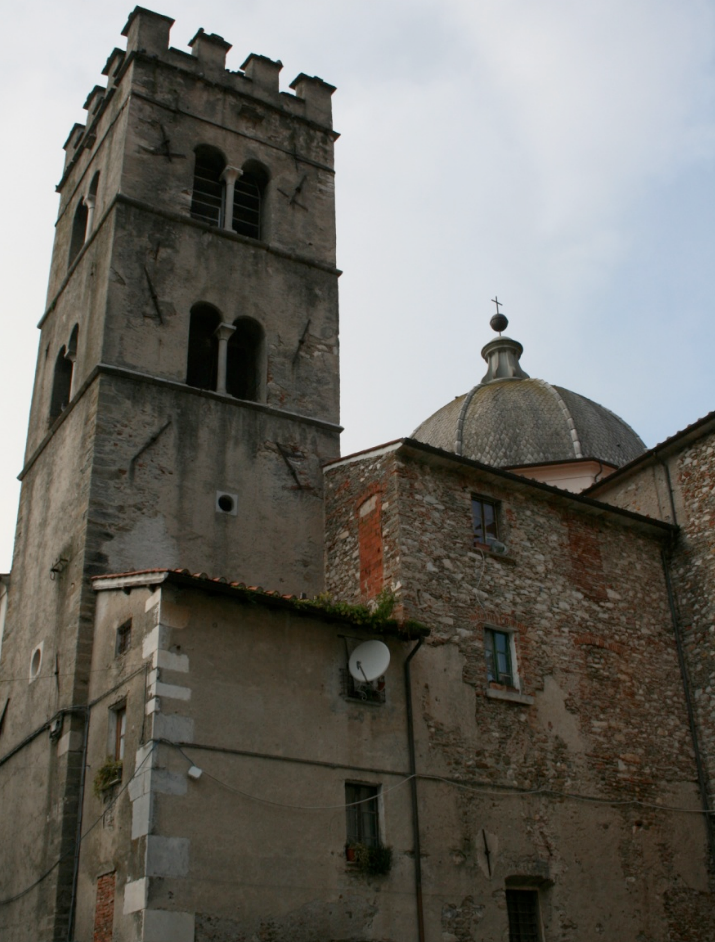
558,154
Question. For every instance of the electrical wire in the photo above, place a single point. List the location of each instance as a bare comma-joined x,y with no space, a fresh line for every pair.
484,788
277,804
71,853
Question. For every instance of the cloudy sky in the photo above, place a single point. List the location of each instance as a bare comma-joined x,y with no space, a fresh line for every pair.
558,153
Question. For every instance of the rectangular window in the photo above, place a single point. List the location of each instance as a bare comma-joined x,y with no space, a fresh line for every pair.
120,728
484,521
124,637
497,651
523,911
362,809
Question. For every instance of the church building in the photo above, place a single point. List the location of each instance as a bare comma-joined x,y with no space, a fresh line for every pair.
458,687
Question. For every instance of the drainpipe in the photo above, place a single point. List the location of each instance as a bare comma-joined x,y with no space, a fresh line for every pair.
702,780
413,790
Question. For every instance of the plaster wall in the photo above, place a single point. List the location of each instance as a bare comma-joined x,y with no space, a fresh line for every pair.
47,612
165,452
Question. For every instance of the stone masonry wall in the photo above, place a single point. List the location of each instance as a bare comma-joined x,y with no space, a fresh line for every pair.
692,560
599,709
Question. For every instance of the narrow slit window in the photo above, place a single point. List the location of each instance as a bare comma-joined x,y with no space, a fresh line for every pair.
484,521
120,729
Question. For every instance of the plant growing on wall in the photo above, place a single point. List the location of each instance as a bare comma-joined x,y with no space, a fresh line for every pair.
108,774
374,861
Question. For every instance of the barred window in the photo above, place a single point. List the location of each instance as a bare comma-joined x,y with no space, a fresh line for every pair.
523,911
207,198
361,805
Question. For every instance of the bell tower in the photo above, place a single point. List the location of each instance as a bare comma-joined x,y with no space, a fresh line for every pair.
187,384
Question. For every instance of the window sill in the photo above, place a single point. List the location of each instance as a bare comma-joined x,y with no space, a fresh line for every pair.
512,696
488,551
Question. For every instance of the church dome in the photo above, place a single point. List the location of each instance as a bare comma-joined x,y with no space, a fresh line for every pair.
510,420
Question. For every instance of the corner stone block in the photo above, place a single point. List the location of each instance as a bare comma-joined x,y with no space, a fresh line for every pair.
163,926
135,894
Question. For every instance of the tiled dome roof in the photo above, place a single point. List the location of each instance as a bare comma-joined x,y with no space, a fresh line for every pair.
510,420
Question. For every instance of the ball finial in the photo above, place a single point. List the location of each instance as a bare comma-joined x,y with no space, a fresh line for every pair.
499,323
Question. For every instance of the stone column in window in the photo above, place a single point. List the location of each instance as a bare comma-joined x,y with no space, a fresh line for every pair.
229,177
223,334
90,202
71,357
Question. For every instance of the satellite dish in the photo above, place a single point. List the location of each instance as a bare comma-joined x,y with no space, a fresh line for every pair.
369,661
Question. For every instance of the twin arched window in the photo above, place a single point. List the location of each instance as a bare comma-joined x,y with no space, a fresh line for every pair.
226,196
79,231
83,221
62,376
226,358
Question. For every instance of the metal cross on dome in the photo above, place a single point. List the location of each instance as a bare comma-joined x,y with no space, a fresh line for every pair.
499,321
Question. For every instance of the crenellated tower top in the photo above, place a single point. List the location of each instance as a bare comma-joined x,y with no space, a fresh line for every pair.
148,35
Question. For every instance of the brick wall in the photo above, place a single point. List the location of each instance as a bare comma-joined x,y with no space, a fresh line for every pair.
104,910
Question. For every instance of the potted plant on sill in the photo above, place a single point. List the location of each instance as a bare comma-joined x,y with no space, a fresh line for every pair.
107,776
376,861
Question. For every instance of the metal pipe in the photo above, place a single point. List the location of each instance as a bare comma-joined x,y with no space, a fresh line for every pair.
702,779
413,791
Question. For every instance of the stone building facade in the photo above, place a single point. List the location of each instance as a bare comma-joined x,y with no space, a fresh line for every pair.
192,758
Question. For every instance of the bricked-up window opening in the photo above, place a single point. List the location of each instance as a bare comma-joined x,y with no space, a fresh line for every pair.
104,908
207,198
363,811
61,384
523,911
370,545
120,729
248,201
79,231
202,360
497,651
484,521
244,356
124,637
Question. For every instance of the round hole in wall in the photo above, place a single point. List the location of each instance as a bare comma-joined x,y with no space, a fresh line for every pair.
35,663
225,503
